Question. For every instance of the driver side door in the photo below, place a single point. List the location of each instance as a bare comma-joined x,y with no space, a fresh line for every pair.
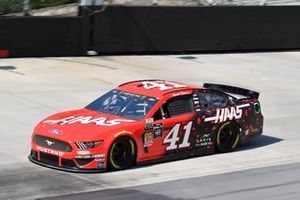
172,126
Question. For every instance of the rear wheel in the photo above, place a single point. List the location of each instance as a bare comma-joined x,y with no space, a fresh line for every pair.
228,138
122,153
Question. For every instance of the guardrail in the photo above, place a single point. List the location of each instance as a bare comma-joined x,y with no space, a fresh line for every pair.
125,30
42,36
153,30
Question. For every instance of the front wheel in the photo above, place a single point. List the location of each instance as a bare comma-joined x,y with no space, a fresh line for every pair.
122,153
228,138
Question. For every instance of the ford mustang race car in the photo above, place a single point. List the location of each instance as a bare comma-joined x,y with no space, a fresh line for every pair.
147,121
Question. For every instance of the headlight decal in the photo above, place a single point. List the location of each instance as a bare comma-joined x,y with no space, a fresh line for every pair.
88,145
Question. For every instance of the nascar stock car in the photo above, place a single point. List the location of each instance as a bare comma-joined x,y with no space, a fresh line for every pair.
147,121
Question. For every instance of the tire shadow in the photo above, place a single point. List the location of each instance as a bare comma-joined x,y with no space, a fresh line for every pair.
256,142
259,141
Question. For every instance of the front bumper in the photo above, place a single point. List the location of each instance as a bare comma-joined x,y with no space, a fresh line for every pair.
71,159
67,169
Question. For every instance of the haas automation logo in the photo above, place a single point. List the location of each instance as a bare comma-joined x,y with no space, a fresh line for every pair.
228,113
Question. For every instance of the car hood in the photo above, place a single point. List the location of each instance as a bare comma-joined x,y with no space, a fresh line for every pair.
82,125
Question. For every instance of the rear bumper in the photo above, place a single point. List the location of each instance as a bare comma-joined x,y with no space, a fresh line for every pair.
67,169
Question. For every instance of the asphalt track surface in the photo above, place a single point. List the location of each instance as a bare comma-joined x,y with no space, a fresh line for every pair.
262,183
33,88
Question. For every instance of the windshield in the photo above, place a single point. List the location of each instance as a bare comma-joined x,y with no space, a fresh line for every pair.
124,104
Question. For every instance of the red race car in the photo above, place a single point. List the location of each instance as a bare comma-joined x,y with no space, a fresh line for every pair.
147,121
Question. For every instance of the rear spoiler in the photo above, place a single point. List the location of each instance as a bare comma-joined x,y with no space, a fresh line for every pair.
233,90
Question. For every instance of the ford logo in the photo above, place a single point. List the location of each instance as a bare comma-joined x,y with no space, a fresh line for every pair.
55,131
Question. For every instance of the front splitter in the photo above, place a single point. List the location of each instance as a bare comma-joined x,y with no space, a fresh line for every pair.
74,170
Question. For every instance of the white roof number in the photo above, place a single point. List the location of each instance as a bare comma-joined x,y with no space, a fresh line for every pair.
162,85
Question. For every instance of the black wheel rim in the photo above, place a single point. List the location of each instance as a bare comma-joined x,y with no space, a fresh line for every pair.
121,153
227,136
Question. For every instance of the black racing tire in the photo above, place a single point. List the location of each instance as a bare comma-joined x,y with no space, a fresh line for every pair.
122,153
228,138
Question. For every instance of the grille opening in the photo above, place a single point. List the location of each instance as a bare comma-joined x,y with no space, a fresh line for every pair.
51,143
53,160
83,161
49,159
34,154
68,163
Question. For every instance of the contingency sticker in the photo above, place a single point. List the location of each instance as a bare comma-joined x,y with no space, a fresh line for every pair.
157,130
148,139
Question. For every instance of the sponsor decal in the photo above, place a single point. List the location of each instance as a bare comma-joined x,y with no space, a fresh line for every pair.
148,127
181,93
161,85
101,121
83,152
205,140
149,120
50,151
131,94
100,164
98,156
55,131
157,130
148,139
92,156
230,113
196,101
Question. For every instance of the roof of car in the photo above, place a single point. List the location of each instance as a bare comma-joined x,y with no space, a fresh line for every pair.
155,88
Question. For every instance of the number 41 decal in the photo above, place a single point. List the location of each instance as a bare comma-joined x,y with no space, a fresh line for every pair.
172,137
